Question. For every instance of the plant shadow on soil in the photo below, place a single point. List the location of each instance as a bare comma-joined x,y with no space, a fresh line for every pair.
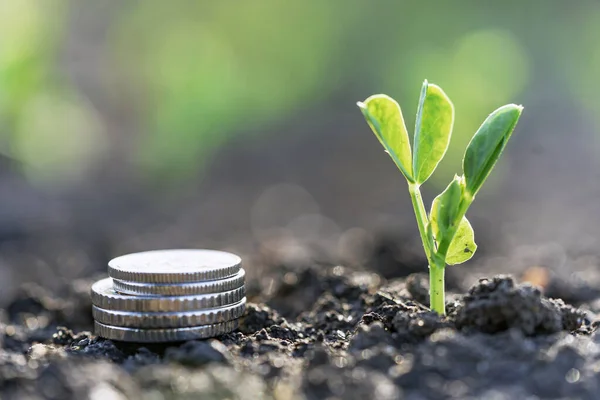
317,332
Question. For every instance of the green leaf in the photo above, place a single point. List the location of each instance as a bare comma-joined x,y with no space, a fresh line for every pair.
487,145
435,117
463,244
384,116
444,211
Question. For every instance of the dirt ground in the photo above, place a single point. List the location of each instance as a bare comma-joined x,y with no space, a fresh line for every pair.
319,332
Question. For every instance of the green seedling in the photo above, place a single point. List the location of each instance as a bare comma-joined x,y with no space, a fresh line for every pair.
447,235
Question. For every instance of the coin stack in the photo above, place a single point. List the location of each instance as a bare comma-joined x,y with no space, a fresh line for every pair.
169,295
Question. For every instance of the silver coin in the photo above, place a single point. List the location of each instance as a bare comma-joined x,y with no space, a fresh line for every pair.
104,296
180,289
174,266
153,320
163,335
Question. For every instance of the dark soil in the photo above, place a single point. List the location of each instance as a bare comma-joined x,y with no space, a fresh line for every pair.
320,333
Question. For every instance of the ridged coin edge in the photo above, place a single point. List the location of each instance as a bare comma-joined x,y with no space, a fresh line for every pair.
174,277
169,320
121,302
180,289
163,335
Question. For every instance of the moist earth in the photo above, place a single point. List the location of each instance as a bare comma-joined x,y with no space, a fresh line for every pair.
316,332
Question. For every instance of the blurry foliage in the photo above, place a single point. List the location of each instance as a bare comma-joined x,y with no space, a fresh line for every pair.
44,125
58,135
215,68
582,61
203,73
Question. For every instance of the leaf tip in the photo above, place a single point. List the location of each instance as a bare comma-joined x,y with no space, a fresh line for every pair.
424,88
437,89
512,107
380,96
515,106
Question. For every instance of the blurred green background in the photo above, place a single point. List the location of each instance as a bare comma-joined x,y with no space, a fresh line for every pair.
177,123
188,78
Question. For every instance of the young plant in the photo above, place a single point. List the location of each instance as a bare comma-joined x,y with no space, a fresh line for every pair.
446,233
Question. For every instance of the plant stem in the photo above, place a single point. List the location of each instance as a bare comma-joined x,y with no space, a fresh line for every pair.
422,221
436,289
436,263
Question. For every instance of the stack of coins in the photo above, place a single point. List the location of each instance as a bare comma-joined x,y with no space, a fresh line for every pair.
169,295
